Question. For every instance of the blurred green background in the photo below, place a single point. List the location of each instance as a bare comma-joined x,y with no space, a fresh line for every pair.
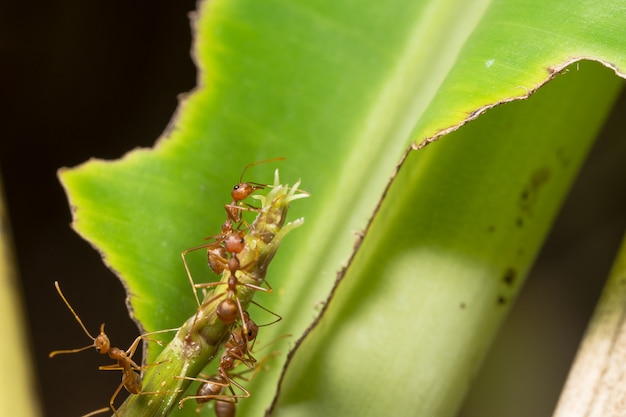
96,79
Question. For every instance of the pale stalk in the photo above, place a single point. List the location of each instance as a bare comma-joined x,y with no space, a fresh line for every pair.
596,385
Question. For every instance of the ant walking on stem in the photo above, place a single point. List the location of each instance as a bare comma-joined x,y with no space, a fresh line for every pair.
237,349
230,308
131,379
230,240
222,254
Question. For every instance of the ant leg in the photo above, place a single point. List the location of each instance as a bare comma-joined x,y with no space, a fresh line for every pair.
232,208
100,411
116,367
278,316
209,285
244,323
205,285
132,383
133,347
221,397
257,367
246,393
183,255
246,266
117,391
111,367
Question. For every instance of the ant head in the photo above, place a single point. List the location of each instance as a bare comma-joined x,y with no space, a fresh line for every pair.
243,190
253,329
101,343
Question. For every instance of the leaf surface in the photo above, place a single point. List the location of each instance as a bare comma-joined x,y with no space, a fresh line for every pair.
342,89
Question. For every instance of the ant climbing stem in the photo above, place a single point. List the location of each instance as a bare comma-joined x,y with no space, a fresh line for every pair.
229,309
131,379
229,241
213,389
251,329
238,348
242,340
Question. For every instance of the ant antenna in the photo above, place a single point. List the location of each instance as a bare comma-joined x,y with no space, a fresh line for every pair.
82,325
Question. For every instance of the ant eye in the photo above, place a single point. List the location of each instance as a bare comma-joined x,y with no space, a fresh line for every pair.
236,187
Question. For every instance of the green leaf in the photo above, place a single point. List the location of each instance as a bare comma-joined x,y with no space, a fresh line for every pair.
341,89
445,257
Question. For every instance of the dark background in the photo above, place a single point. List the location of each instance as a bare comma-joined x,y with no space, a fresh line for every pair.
96,79
80,79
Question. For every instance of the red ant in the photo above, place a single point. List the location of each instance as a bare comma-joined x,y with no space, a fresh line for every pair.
229,240
237,349
131,380
229,309
243,190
